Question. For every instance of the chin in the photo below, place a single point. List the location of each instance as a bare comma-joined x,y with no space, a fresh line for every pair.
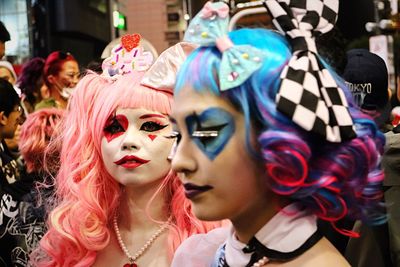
206,214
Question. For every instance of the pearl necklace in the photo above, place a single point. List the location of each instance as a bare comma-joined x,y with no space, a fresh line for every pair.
143,249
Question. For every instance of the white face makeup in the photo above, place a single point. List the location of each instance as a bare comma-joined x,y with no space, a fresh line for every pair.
220,177
134,147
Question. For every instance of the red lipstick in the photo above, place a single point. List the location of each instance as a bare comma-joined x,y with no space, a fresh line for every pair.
192,190
131,162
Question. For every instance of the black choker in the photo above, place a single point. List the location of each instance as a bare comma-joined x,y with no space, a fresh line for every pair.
259,251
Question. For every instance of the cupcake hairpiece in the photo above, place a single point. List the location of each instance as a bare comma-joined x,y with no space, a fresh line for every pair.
126,57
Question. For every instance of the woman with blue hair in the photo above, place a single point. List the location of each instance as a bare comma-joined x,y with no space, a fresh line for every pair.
268,137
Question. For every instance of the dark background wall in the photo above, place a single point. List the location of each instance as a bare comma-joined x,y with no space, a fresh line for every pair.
79,27
354,14
76,26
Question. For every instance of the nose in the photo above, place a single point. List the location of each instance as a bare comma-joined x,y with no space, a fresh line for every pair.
22,118
75,80
183,160
129,147
130,141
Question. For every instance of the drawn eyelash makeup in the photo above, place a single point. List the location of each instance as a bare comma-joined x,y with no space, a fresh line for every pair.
115,126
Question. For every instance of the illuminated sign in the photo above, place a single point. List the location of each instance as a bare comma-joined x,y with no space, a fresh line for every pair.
119,20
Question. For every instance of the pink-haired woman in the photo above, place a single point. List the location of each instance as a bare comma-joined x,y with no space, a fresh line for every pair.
119,202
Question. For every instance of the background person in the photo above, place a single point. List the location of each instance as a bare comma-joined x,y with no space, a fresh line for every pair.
13,186
61,74
4,37
31,82
367,77
7,72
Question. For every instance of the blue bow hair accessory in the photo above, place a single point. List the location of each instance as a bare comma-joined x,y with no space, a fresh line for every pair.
210,27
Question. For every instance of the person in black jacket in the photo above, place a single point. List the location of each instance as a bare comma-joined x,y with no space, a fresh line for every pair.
366,75
12,187
4,37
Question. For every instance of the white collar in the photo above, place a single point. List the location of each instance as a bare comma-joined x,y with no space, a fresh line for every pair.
285,232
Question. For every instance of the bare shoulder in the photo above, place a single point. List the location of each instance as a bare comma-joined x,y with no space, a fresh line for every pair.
321,254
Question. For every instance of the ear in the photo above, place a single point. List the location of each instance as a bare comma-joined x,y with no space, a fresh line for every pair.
51,78
3,119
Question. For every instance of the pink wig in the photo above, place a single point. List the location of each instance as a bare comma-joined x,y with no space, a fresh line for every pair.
89,197
36,133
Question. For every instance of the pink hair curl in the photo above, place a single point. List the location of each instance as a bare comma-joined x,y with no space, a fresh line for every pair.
88,196
36,133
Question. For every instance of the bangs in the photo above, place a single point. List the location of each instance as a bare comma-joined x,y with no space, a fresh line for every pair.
147,98
199,71
126,92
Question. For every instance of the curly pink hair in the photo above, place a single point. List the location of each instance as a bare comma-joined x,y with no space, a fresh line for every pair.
36,133
89,197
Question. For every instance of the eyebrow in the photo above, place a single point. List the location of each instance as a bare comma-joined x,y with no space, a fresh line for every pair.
146,116
171,119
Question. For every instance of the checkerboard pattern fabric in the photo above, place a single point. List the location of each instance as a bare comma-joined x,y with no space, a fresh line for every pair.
308,93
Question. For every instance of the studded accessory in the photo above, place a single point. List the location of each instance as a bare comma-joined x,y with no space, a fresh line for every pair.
126,57
308,93
210,28
142,250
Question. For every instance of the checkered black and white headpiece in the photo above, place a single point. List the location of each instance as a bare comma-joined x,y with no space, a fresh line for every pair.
308,93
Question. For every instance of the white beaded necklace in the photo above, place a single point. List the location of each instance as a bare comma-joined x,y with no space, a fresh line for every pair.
143,249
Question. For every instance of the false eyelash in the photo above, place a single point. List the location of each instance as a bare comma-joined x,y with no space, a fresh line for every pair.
208,132
205,134
174,134
159,126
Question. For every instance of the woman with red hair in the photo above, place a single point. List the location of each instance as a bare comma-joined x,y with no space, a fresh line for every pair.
61,73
